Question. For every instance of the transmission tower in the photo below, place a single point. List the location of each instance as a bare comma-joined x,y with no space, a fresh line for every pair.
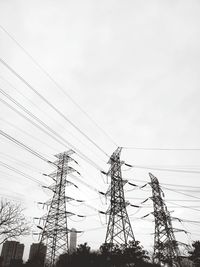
119,229
166,249
55,231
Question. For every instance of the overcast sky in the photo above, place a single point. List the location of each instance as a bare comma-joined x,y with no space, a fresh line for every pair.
133,67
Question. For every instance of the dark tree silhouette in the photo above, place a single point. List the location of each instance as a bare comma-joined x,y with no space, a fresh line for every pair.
16,263
115,255
1,261
36,262
134,253
108,255
81,257
195,254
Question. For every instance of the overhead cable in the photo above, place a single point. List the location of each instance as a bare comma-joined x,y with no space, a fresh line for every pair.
52,106
42,110
58,85
162,149
178,192
174,185
12,139
21,173
187,207
161,169
84,157
25,132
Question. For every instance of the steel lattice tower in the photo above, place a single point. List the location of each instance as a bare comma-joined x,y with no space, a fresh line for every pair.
119,229
55,231
166,249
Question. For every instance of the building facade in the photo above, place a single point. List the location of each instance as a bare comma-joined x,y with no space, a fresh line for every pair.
11,250
73,240
37,250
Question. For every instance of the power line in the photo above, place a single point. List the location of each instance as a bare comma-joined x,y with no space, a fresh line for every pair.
161,169
10,175
190,191
89,186
162,149
43,158
191,208
179,192
21,173
57,85
11,197
25,147
176,191
190,221
181,185
181,200
177,206
29,113
84,157
20,162
179,219
52,106
43,111
30,121
174,185
26,133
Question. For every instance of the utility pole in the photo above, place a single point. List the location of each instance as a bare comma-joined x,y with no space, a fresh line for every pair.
119,229
166,249
55,231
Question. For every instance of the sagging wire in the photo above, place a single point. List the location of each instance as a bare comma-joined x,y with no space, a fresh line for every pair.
78,204
105,181
94,229
127,182
136,186
162,169
137,211
101,219
84,218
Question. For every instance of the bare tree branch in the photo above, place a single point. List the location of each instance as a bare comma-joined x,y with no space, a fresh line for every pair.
12,221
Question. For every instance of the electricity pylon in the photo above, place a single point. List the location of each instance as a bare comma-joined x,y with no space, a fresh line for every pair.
119,229
166,249
55,231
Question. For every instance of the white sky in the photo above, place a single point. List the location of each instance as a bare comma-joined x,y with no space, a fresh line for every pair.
133,66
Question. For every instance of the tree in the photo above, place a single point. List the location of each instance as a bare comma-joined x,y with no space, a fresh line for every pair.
83,255
16,263
12,221
134,253
106,254
124,255
79,258
195,254
109,255
1,261
83,249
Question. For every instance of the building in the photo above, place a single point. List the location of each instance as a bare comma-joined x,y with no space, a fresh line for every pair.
11,250
35,249
73,240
